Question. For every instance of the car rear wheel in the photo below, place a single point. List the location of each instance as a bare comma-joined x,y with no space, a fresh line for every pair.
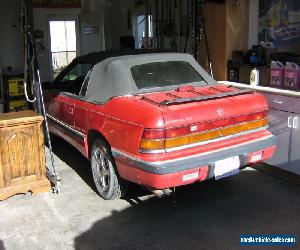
107,181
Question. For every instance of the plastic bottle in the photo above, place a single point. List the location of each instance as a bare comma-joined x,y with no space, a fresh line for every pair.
291,75
276,74
254,77
269,48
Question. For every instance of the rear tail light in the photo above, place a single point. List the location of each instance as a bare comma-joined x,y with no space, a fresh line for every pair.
175,132
152,144
193,138
154,140
244,127
154,133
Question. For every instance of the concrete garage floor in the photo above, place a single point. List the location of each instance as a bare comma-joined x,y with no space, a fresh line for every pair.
209,215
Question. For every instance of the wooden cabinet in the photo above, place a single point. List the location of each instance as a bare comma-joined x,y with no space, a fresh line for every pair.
22,154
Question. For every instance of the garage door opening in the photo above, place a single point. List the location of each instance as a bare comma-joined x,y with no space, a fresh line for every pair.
63,44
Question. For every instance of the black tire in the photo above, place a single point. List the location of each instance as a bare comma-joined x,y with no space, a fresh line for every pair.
106,178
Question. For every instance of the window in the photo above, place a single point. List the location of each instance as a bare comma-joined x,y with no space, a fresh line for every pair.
72,81
164,74
80,70
63,44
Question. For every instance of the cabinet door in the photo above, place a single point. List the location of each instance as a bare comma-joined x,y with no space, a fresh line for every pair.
295,146
279,127
22,155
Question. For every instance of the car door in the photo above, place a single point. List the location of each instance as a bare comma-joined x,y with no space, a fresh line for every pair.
67,104
86,113
82,107
65,92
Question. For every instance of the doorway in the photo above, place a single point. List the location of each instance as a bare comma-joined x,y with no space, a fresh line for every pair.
141,31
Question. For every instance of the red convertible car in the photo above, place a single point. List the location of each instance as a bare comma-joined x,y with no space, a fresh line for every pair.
156,119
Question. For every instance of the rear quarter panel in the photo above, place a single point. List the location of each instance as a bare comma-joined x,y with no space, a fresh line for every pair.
124,121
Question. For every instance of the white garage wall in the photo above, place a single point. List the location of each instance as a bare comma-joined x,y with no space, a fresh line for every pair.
11,42
253,22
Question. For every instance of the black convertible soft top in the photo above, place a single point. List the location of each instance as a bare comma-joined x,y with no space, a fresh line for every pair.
113,76
96,57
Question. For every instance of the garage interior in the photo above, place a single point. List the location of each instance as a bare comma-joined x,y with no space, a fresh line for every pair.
252,45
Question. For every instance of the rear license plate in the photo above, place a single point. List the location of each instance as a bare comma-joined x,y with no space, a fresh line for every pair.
227,167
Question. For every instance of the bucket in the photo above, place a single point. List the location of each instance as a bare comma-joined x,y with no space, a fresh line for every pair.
276,74
291,75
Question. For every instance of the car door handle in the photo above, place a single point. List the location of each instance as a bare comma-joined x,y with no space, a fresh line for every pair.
295,122
70,111
290,121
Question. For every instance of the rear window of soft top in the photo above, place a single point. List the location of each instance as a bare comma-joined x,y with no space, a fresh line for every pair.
164,74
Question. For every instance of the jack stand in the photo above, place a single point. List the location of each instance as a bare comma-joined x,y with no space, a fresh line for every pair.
55,180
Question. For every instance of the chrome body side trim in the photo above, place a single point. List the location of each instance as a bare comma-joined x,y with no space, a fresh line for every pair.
65,126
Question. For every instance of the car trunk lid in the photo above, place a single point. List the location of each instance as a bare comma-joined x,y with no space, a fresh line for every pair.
190,104
201,114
